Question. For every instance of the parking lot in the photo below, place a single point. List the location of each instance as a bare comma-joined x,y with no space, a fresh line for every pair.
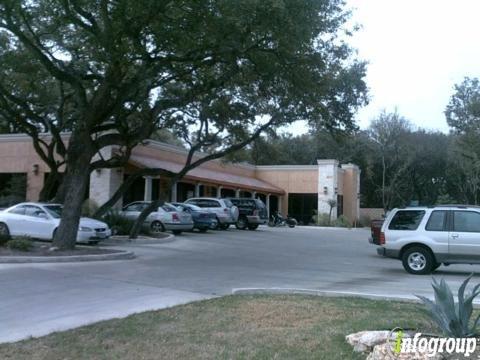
39,298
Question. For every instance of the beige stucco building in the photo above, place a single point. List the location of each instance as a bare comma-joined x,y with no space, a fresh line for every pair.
298,190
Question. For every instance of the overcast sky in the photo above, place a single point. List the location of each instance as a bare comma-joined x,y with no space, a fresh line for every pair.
417,50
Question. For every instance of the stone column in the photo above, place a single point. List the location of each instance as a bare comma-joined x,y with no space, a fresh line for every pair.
174,192
197,189
327,185
219,191
268,205
148,188
254,194
237,193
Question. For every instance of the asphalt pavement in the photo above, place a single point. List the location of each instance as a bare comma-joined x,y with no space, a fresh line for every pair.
36,299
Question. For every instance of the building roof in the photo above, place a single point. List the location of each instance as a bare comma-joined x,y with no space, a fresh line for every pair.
207,175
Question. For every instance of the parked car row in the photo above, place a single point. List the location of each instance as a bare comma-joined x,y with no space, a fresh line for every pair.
41,220
201,213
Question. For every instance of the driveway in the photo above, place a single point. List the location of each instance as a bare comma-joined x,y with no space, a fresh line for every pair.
36,299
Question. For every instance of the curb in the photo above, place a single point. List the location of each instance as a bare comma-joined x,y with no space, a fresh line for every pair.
144,240
325,293
120,255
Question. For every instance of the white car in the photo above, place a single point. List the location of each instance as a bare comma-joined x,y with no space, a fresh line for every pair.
39,221
166,217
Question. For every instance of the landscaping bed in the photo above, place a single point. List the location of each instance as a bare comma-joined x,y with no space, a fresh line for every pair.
43,249
233,327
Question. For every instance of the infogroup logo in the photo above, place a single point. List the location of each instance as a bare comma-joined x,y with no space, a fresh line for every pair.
403,343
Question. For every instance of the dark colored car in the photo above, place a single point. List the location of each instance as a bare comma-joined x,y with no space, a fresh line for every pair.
202,220
252,213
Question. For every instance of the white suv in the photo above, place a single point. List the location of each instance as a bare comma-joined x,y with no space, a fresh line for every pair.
226,212
424,238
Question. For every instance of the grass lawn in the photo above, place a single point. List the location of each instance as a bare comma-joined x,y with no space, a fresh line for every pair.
233,327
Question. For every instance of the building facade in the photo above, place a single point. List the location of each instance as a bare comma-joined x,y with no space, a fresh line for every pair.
298,190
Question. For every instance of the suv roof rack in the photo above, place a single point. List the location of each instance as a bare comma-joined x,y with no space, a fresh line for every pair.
458,206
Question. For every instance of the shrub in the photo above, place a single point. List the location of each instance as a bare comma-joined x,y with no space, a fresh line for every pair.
341,221
20,243
321,219
453,319
119,224
4,239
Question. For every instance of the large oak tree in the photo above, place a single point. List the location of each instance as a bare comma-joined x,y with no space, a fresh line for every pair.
214,73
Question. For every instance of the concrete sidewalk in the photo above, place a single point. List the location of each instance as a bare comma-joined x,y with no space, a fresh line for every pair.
45,300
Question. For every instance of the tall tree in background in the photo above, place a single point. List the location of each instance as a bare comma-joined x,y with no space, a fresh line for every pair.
463,117
214,73
389,131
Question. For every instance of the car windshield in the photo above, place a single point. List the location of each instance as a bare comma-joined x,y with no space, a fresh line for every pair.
54,210
228,203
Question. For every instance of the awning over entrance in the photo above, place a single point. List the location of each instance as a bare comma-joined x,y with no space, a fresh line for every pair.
207,175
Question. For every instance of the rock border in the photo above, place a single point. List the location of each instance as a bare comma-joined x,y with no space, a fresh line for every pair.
119,255
143,240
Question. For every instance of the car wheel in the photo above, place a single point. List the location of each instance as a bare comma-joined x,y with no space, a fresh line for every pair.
241,223
215,225
157,227
224,226
252,226
4,231
176,232
418,260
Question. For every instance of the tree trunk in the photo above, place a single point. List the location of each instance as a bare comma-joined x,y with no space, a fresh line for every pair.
46,194
147,211
75,184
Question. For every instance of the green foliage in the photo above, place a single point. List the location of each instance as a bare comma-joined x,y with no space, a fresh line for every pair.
119,224
463,110
20,244
341,221
13,189
323,219
453,318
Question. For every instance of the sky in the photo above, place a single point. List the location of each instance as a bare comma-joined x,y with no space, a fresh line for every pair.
417,51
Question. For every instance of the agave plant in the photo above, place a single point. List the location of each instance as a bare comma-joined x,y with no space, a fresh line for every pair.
453,318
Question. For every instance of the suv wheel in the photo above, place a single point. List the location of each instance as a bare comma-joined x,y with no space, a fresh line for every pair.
242,223
418,260
224,226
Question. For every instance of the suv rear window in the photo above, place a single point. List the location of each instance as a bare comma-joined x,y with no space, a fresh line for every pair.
406,220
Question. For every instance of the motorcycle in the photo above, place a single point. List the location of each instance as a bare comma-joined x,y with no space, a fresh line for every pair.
277,220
